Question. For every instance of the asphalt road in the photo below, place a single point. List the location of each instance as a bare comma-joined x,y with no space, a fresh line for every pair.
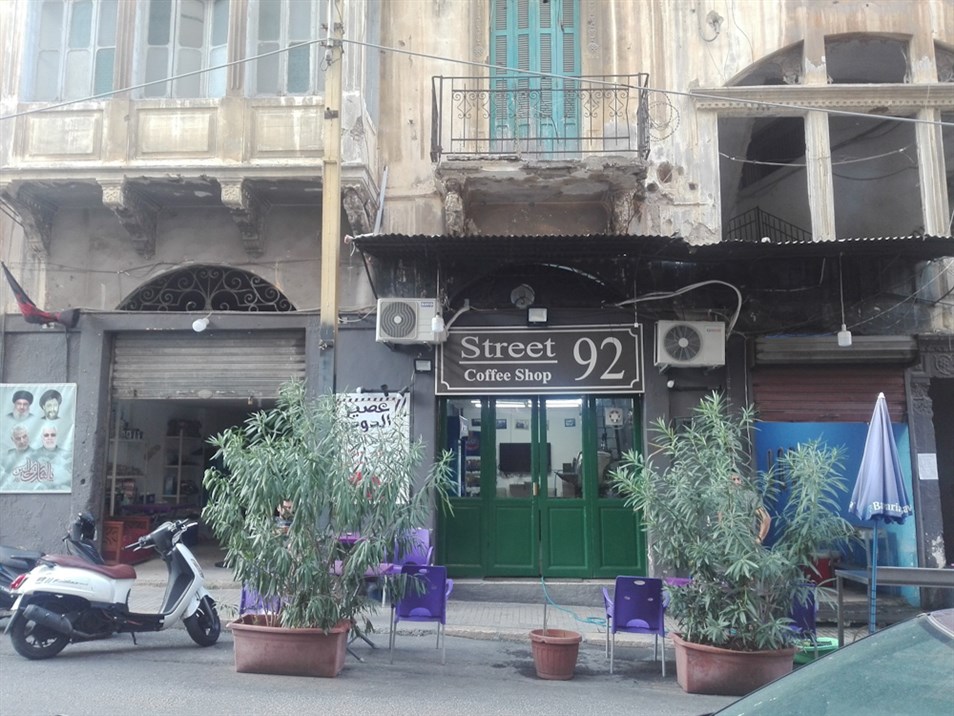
167,674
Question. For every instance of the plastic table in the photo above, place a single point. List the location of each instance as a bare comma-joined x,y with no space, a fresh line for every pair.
890,577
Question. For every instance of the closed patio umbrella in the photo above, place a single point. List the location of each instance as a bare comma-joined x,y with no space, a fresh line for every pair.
879,494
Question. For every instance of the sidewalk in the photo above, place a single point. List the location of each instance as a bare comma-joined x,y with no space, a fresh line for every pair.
507,621
490,620
473,619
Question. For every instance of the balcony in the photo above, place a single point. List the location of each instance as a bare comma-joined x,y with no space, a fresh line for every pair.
525,117
517,139
136,156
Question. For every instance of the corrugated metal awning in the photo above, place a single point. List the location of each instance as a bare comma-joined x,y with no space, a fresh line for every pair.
673,248
215,365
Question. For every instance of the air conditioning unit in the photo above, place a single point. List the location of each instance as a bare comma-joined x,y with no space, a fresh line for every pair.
690,343
406,320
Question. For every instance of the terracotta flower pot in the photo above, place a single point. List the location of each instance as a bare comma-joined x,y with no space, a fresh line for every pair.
703,669
261,649
555,652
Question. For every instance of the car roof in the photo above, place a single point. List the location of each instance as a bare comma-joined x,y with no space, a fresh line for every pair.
944,618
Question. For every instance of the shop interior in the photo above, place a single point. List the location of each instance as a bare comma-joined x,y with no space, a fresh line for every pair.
157,454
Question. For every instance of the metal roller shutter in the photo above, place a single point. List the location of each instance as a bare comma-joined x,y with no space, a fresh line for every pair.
827,394
224,365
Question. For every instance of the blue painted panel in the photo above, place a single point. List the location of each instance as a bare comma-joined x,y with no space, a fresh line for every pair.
897,543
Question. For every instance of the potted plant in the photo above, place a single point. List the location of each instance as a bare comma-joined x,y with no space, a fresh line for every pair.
340,480
703,510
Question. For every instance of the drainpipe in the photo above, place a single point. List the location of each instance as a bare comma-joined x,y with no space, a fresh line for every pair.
331,205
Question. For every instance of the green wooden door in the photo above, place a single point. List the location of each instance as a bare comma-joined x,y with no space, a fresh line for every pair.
565,499
534,492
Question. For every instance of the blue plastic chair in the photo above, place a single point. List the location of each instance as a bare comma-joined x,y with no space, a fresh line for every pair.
429,605
637,607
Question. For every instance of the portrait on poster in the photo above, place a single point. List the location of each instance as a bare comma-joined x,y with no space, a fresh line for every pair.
36,437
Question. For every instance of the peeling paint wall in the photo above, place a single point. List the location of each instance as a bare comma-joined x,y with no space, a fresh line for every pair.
682,45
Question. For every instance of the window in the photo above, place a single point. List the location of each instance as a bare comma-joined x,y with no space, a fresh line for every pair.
186,36
75,49
291,25
540,112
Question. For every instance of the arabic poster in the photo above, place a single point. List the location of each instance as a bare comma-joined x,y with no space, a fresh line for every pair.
36,437
378,413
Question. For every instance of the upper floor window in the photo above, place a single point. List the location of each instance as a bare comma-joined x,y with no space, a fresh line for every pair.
292,26
183,37
539,111
75,49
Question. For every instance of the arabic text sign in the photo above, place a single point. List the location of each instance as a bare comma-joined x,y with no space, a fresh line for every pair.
559,359
377,413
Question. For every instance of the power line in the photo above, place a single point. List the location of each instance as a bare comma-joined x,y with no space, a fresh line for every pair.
470,63
856,160
676,93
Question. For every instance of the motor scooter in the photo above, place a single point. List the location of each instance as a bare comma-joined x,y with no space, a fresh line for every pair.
15,561
66,599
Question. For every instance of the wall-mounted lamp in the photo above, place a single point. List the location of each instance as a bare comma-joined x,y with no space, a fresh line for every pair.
423,365
200,324
537,316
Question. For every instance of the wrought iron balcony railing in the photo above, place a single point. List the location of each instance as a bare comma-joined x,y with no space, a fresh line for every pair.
545,118
755,224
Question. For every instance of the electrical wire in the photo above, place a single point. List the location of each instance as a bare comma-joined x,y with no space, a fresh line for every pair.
471,63
857,160
661,295
482,65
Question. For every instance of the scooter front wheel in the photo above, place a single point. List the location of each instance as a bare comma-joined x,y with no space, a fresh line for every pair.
35,641
204,626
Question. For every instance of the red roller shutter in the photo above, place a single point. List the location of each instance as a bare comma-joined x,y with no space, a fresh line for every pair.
827,394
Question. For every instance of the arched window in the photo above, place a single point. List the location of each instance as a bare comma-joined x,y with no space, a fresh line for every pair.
208,288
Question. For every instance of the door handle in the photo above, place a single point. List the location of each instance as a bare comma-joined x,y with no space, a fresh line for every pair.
536,489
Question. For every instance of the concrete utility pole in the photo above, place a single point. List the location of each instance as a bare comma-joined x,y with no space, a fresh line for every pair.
331,205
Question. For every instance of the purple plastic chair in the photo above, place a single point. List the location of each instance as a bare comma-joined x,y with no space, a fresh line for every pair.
637,607
251,602
430,605
420,551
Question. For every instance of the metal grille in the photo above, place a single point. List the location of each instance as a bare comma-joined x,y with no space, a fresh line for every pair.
755,224
509,115
208,288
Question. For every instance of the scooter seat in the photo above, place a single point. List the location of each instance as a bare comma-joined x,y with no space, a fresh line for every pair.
114,571
15,557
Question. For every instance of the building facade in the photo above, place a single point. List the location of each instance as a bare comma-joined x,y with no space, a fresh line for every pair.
612,208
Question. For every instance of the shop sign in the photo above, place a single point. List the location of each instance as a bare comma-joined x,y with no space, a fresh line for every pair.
558,359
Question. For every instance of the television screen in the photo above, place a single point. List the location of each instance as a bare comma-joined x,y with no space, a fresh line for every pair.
515,457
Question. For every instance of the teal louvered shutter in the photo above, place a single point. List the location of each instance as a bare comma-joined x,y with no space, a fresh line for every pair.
534,113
